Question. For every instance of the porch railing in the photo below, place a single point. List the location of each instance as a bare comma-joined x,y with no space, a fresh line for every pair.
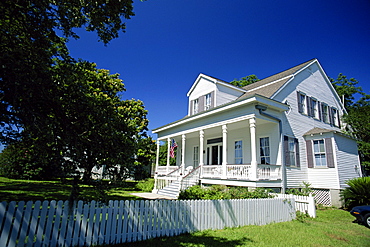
164,170
190,179
243,172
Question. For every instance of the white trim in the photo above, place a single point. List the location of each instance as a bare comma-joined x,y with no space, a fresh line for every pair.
256,98
209,126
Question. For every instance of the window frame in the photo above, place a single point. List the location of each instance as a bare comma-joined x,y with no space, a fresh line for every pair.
195,156
325,113
319,153
195,106
208,101
238,159
263,156
302,103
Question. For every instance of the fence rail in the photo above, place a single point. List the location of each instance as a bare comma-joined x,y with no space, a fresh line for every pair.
57,224
304,204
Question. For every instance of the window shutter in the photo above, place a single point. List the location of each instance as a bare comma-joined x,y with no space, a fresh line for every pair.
330,113
338,117
201,103
191,107
300,108
309,106
286,151
309,153
297,158
319,108
329,153
213,99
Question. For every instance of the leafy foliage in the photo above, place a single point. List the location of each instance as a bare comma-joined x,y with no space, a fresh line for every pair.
358,192
357,104
218,192
244,81
304,191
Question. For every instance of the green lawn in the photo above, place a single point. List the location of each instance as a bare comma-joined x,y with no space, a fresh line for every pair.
332,227
29,190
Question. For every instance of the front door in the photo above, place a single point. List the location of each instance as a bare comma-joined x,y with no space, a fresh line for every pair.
214,155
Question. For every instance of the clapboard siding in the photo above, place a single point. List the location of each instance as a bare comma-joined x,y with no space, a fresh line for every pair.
297,124
349,166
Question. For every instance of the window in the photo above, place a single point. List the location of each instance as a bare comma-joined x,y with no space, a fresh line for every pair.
291,151
301,103
319,153
196,157
265,150
324,112
195,106
315,108
238,152
334,117
208,103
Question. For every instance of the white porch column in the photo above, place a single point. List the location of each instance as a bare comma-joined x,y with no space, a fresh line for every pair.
201,147
168,154
252,127
224,151
183,153
157,158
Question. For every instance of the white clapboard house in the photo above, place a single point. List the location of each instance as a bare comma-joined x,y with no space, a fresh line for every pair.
275,133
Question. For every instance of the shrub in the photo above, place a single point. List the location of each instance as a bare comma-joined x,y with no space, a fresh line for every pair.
304,191
218,192
358,192
145,185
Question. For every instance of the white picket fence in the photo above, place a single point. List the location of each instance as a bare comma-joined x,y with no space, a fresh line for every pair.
54,224
304,204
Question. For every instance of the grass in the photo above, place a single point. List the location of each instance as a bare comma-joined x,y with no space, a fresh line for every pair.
332,227
30,190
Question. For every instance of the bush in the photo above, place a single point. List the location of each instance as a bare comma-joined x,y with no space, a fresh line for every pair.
304,191
218,192
146,185
358,192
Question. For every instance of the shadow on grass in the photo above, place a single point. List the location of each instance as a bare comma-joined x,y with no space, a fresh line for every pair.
188,240
29,190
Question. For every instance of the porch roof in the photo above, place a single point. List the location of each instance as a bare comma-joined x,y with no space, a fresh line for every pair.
252,99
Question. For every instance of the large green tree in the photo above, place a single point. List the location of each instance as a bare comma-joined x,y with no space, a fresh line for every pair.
244,81
357,104
29,44
68,113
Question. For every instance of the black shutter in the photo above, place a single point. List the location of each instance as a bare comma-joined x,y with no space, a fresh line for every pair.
319,108
286,151
309,106
329,153
300,108
309,153
330,112
338,117
297,158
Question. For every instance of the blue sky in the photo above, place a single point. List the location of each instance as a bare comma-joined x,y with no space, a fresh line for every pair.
168,43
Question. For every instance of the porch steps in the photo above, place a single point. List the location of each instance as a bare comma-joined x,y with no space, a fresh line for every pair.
171,190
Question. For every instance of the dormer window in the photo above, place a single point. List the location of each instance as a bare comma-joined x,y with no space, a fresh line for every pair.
208,103
195,106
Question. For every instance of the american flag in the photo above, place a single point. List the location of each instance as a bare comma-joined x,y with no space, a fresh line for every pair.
172,148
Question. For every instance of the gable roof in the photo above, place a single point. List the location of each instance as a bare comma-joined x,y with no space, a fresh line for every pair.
269,86
214,80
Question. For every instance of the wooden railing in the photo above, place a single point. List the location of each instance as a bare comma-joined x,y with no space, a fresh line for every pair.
164,170
243,172
190,179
